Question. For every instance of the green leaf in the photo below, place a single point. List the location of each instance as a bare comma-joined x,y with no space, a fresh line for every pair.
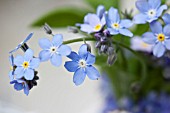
62,17
106,3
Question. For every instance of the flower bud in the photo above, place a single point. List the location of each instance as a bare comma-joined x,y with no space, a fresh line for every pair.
88,48
47,29
72,29
98,44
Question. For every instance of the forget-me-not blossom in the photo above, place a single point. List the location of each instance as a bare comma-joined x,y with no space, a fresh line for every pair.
53,50
21,84
150,10
159,36
81,65
24,41
117,26
26,65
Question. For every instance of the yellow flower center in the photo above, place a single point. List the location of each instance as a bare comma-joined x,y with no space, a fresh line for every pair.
82,63
25,64
161,37
11,68
97,27
115,25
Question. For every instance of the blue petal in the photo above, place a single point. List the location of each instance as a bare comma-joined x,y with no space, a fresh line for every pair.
11,75
18,61
71,66
79,76
92,73
166,18
93,20
149,38
142,5
100,11
86,28
28,55
11,59
44,55
140,18
26,89
161,9
18,86
29,74
45,43
13,82
154,4
126,32
57,40
56,60
166,30
34,63
64,50
156,27
74,56
167,44
112,31
19,72
83,51
90,59
27,38
126,23
159,49
113,15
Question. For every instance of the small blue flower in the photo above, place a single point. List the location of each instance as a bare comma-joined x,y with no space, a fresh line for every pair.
24,41
117,26
159,36
53,50
81,65
26,65
11,72
20,84
166,18
150,11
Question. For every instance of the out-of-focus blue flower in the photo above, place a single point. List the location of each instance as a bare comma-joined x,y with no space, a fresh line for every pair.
81,65
24,41
166,18
26,65
11,72
150,11
53,50
21,84
159,36
116,25
138,45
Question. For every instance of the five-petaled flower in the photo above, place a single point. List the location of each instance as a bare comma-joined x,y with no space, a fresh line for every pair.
53,50
150,11
81,65
94,22
26,65
117,26
21,84
159,36
11,72
24,41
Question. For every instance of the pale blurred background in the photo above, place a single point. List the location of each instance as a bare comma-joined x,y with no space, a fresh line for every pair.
55,92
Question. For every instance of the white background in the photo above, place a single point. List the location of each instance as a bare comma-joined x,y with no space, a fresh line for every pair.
55,92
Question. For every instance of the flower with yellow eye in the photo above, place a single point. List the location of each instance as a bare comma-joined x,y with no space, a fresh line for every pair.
26,65
159,36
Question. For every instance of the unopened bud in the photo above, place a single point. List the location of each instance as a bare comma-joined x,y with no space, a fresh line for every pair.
72,29
111,59
88,48
47,29
98,44
104,48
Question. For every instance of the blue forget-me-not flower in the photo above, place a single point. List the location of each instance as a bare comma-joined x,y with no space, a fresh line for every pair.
21,84
159,36
11,72
116,25
24,41
149,11
81,65
26,65
53,50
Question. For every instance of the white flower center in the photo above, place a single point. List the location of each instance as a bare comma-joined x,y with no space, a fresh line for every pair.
82,63
53,49
151,13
